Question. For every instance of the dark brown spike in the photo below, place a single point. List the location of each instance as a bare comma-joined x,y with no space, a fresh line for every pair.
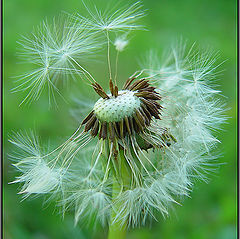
88,117
124,128
130,87
95,128
128,82
135,125
154,113
151,108
116,129
148,95
111,87
99,90
116,91
103,131
147,113
128,125
140,118
157,104
97,86
100,132
90,123
130,120
149,88
136,83
146,119
142,83
111,131
121,129
140,123
101,93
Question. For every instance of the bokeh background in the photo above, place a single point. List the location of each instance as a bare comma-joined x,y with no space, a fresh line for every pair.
210,213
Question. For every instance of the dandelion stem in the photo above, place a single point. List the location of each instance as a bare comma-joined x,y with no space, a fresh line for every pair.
108,56
83,69
118,228
116,68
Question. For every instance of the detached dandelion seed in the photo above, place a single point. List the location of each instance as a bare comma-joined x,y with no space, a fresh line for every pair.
120,43
141,146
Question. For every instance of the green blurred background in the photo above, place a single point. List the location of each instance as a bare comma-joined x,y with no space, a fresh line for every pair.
211,210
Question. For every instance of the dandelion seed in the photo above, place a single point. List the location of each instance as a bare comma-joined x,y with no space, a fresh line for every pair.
38,177
120,43
56,51
116,20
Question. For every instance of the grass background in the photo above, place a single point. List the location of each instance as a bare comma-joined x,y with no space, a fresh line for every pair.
211,210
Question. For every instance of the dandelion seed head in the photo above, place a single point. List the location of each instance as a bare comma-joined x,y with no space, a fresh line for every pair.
117,108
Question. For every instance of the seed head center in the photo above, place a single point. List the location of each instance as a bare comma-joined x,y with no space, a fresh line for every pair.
115,109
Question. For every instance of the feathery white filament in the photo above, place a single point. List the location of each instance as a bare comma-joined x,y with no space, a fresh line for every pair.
55,52
120,43
118,20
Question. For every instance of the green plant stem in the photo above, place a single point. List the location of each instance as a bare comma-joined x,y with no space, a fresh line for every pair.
118,229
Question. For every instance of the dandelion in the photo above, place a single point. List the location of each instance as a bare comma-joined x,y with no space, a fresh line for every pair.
141,146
